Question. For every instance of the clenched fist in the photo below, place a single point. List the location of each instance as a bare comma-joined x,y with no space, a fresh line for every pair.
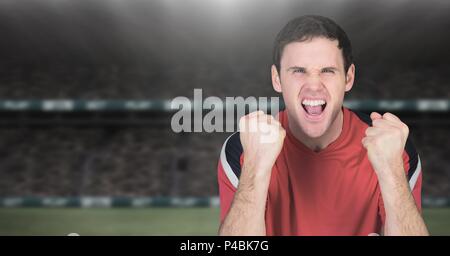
262,138
385,142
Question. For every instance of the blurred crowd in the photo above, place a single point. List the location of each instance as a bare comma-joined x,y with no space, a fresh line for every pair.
137,161
152,161
89,50
99,161
219,79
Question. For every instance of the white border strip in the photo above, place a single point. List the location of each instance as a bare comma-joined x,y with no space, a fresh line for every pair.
413,180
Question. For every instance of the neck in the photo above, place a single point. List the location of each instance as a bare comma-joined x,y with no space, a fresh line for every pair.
319,143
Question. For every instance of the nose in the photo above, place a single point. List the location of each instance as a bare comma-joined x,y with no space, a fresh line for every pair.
313,83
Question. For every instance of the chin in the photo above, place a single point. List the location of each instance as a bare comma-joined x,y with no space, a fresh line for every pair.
314,126
314,131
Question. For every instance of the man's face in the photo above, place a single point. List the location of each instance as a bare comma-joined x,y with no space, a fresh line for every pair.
313,82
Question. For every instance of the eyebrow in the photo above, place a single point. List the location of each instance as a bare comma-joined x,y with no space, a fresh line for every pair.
295,68
331,67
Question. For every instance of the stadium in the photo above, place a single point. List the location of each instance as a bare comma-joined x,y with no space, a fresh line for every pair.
86,144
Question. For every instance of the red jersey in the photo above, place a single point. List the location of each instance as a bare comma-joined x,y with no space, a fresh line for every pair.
331,192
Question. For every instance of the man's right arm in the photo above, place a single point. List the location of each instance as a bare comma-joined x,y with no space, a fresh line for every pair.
247,211
262,138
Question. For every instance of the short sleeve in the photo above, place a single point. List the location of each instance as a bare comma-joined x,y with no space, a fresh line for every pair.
228,172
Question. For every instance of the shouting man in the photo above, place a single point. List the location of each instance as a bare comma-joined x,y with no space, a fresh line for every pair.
326,170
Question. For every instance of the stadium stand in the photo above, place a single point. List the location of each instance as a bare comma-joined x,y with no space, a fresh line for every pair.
150,50
65,161
118,82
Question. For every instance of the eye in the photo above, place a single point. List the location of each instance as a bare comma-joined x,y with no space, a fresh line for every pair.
299,70
328,70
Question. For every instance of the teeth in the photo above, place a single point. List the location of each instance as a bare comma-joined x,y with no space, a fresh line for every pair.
313,102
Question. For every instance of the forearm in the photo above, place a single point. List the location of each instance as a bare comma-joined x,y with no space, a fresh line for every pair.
247,212
402,214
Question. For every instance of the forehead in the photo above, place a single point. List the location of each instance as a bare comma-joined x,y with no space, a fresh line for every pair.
317,52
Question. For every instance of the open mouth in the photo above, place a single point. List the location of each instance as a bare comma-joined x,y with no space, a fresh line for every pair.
314,108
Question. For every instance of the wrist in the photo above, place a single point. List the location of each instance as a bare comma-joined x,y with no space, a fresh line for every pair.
253,183
390,171
256,173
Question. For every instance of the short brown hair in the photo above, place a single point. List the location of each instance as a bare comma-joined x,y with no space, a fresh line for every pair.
308,27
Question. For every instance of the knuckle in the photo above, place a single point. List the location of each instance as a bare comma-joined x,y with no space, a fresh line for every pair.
405,128
377,122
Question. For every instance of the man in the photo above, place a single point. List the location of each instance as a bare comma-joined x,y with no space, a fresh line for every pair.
326,170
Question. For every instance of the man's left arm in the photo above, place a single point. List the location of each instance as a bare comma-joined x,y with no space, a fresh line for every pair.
385,143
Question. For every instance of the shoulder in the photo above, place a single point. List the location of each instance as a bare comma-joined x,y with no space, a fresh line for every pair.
230,158
360,117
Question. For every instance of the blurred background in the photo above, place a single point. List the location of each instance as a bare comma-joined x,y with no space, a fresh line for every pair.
85,138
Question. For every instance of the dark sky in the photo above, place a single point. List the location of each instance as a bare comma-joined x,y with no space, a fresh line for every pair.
164,48
101,31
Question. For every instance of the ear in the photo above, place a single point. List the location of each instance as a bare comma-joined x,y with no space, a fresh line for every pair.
350,78
275,79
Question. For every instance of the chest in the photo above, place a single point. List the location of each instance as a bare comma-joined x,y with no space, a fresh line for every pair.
335,184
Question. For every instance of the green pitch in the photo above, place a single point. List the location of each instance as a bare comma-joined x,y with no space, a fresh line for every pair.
146,221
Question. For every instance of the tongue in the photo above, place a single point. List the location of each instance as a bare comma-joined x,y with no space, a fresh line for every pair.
313,110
